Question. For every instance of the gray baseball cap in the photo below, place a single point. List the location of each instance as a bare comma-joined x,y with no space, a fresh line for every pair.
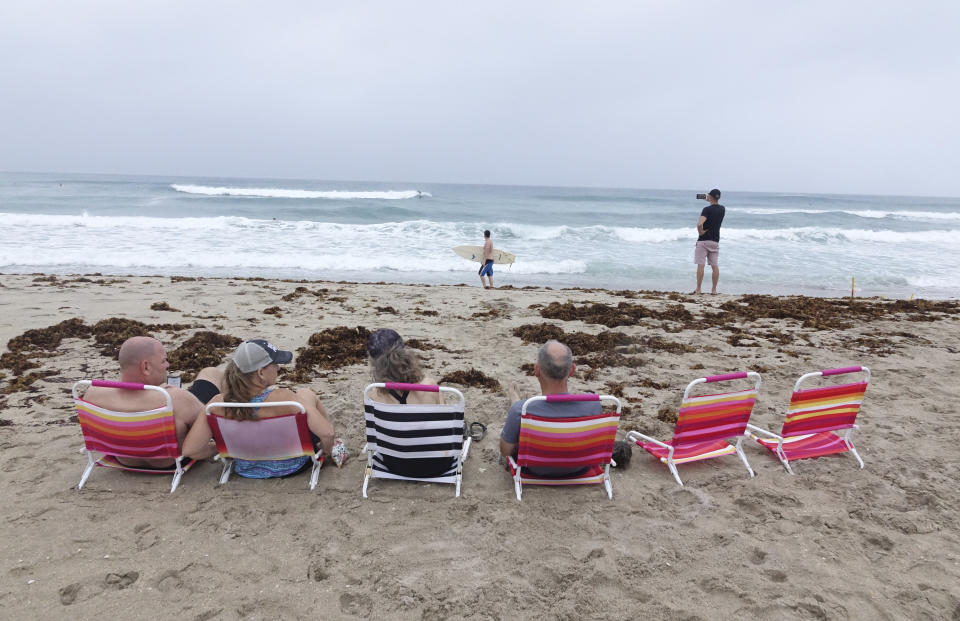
258,353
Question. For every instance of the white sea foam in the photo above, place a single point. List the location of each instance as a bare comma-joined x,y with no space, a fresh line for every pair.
862,213
292,193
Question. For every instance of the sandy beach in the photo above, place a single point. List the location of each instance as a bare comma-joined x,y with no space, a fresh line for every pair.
831,542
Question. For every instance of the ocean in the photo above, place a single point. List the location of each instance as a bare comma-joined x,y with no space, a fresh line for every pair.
775,243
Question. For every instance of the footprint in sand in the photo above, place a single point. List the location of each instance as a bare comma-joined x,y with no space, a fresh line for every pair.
355,604
68,594
121,581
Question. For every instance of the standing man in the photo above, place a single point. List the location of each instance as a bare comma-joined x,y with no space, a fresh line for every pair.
487,268
708,244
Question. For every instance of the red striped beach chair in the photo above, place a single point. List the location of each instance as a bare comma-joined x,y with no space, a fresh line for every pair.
266,439
584,442
705,424
136,435
406,441
813,416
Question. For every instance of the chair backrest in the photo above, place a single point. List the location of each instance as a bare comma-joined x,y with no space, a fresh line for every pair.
414,430
826,408
716,416
567,442
151,434
278,437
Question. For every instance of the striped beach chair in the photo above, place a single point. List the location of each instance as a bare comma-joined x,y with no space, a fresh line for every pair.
136,435
266,439
705,424
813,416
584,442
406,440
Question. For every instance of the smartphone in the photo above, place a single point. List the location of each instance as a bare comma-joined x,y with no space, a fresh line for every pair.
701,197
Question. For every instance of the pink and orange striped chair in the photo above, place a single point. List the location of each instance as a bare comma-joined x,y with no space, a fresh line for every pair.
705,424
136,435
266,439
814,415
584,442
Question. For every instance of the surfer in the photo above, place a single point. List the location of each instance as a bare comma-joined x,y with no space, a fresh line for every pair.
487,268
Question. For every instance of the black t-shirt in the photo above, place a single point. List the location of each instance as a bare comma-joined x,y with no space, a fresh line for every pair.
714,216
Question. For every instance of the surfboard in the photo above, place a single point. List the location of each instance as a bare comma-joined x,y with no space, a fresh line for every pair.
475,253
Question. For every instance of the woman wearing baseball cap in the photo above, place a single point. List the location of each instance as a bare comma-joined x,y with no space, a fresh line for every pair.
251,377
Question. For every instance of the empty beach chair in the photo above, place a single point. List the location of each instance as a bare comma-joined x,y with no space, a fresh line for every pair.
584,443
266,439
151,434
813,416
414,442
705,423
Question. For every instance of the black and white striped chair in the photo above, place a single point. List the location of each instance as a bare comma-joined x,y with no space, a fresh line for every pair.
414,442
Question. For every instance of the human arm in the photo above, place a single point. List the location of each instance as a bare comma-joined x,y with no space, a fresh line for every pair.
197,443
510,436
317,418
700,223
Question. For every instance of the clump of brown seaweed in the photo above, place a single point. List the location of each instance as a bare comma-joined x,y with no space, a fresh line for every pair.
203,349
473,377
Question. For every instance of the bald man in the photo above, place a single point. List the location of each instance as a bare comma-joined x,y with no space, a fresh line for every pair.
553,368
143,360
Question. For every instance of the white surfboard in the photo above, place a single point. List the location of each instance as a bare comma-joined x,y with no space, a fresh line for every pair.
475,253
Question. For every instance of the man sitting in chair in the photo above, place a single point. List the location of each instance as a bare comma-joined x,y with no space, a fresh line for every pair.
143,360
553,367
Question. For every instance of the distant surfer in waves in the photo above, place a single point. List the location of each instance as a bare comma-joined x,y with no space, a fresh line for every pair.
419,194
487,268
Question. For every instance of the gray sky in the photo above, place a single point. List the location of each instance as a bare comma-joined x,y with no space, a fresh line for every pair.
849,96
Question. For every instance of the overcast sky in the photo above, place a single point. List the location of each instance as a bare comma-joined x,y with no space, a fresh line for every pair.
858,97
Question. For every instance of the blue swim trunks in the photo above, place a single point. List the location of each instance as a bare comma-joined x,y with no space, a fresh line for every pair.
487,269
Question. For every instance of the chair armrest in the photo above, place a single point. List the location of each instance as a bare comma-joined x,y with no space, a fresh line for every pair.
633,435
763,431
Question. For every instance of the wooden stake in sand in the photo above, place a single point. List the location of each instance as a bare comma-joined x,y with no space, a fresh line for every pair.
851,290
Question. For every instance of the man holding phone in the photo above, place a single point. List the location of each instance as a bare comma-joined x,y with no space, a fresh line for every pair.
708,243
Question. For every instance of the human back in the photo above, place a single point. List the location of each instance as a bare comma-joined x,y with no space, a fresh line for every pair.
714,214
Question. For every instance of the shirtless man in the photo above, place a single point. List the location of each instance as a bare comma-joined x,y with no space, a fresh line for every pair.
487,268
143,360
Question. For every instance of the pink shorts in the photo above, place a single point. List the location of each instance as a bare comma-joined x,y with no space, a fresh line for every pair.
706,252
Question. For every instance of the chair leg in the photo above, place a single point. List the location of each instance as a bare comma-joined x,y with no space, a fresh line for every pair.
366,480
225,474
459,476
846,439
607,483
465,450
743,457
673,469
314,472
177,475
785,462
86,473
518,485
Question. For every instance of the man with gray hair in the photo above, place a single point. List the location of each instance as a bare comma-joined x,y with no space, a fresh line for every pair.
553,367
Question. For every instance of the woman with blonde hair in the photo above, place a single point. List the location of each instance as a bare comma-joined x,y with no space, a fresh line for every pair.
251,377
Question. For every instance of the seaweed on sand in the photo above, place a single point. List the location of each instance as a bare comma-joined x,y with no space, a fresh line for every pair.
203,349
163,306
473,377
40,343
330,349
623,314
109,334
